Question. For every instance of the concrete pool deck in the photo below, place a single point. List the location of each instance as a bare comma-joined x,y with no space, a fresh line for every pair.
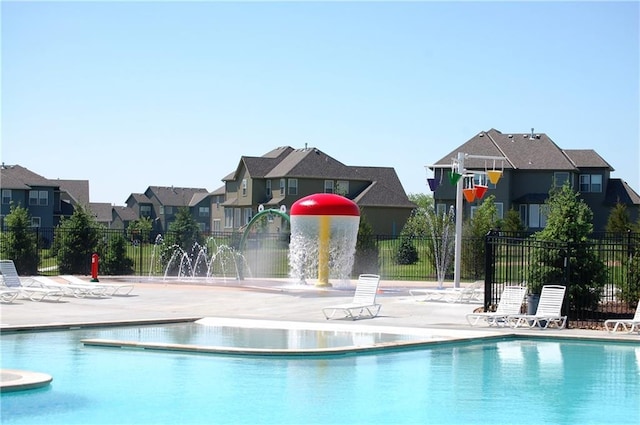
260,299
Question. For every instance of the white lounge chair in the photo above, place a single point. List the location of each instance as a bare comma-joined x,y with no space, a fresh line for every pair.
473,292
509,304
627,325
548,311
11,279
78,291
7,295
109,288
364,300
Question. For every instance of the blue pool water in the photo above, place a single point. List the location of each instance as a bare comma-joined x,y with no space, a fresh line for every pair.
497,382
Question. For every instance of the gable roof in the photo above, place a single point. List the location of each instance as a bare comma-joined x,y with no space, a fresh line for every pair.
587,158
523,151
384,189
619,191
102,211
125,213
176,196
77,190
139,198
20,178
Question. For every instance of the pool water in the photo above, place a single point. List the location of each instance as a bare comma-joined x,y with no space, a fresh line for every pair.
498,381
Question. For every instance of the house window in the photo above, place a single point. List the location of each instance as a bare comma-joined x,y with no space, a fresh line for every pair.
591,183
38,197
560,178
145,210
441,209
228,218
203,211
168,210
244,187
537,216
499,210
268,189
342,187
282,186
161,209
35,221
293,186
237,216
216,225
6,196
328,186
247,215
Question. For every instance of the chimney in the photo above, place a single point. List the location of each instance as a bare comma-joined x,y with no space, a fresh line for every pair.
532,137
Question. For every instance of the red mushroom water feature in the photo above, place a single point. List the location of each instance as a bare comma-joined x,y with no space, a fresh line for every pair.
324,229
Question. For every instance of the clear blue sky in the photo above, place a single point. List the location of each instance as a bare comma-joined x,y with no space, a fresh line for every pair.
135,94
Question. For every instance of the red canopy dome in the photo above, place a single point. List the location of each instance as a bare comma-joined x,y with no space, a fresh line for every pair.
325,204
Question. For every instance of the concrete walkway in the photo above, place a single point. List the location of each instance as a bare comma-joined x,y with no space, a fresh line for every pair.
277,299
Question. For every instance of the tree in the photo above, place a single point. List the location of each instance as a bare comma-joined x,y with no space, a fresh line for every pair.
140,230
20,242
512,222
619,220
417,225
564,251
113,258
366,258
475,229
184,235
76,239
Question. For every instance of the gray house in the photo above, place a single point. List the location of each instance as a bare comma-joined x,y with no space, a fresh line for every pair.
284,175
532,164
161,205
47,201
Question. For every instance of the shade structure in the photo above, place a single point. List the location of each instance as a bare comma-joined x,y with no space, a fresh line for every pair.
433,184
480,190
469,194
494,176
454,177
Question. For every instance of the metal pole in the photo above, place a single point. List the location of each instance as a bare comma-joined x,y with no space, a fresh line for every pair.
458,241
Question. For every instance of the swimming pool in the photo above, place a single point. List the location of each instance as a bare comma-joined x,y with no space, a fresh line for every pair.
498,381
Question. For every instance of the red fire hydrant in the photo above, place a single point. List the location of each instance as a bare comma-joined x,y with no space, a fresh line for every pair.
95,261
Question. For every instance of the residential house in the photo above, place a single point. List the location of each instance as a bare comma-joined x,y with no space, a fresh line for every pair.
532,163
47,201
284,175
161,204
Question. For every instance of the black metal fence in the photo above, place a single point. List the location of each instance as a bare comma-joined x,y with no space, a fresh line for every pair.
510,259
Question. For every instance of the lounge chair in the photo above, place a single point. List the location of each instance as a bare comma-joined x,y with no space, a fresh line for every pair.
509,304
7,295
11,279
627,325
78,291
109,288
473,292
548,311
364,300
